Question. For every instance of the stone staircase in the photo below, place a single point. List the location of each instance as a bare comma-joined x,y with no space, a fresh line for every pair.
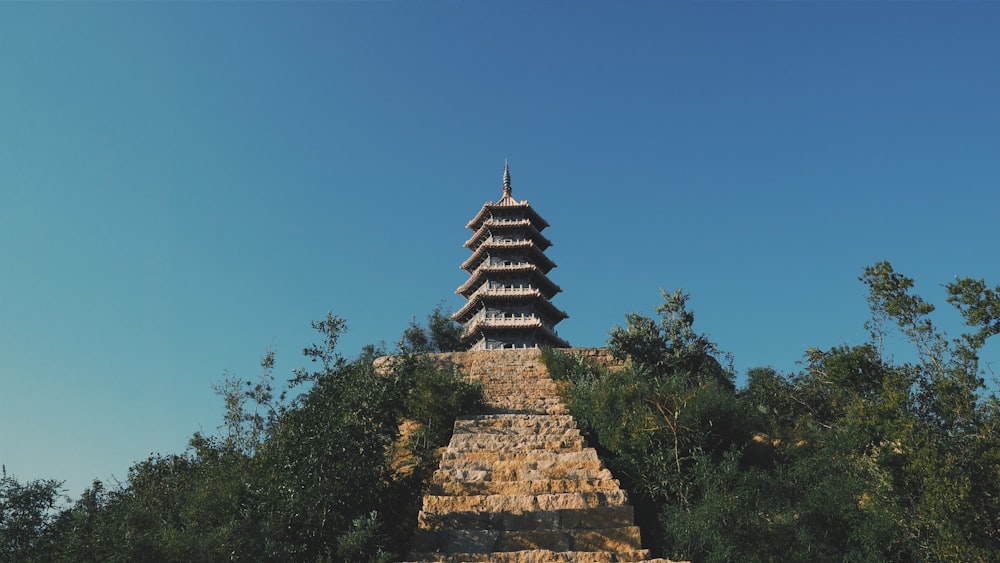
519,484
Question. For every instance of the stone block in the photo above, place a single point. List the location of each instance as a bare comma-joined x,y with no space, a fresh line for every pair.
470,541
456,520
427,541
519,540
624,538
598,517
531,520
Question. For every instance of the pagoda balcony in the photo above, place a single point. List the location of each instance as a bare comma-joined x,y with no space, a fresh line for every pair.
481,345
507,290
482,251
484,320
481,321
485,292
517,224
481,275
486,213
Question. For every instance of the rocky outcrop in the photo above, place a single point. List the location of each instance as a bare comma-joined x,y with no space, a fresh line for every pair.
519,484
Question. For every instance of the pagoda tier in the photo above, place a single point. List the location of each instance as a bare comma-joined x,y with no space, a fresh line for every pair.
508,291
513,300
509,274
506,229
505,252
507,206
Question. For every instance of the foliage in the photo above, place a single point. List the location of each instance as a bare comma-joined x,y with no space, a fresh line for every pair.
309,478
669,345
441,334
669,411
27,513
854,458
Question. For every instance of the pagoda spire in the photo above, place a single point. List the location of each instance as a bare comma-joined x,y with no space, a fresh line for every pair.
506,178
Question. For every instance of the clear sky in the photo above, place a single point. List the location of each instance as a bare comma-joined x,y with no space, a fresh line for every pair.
185,185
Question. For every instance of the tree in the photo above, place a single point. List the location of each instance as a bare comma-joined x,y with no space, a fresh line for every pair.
853,458
945,451
333,492
27,513
441,334
670,344
306,478
660,420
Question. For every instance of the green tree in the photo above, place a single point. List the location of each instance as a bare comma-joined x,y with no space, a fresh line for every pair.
662,419
669,344
440,334
306,478
854,458
942,470
332,489
27,512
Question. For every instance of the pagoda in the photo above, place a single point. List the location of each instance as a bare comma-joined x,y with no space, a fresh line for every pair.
508,292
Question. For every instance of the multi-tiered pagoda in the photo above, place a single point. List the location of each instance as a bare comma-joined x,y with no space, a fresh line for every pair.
508,293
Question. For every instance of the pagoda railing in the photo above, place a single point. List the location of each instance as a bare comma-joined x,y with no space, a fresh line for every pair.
493,222
486,291
522,319
491,242
499,321
507,290
495,267
512,266
482,319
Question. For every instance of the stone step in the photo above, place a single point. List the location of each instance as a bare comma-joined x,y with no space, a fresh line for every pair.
540,405
519,485
546,385
505,467
513,382
619,539
536,388
519,382
518,472
523,444
598,517
554,409
536,487
586,454
522,397
534,556
514,435
516,419
523,503
514,441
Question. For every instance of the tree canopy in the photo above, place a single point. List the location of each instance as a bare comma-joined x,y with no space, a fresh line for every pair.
855,457
334,474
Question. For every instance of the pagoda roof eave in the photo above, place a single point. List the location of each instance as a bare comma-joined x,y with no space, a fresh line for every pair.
480,275
489,206
484,294
487,226
549,337
543,261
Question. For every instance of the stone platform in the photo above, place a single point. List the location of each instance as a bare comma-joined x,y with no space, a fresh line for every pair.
519,484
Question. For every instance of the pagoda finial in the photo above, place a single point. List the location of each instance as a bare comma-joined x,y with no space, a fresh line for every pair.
506,178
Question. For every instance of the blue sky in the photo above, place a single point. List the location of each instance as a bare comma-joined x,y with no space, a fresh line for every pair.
185,185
